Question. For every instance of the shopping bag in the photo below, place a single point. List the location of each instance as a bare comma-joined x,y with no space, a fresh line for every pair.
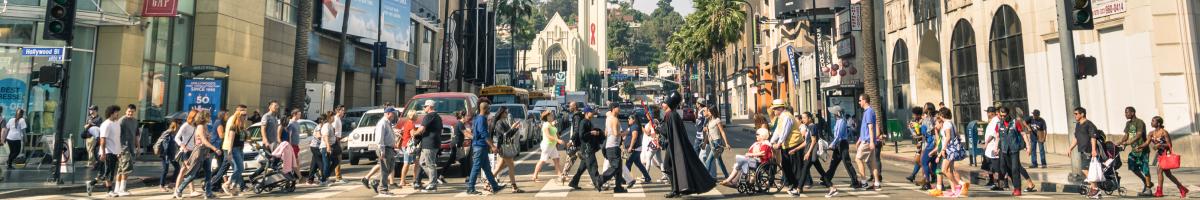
1095,172
1168,161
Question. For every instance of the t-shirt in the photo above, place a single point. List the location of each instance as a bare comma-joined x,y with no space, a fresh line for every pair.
868,119
431,138
328,136
712,126
548,130
479,131
129,131
1133,128
293,132
16,129
991,133
271,127
1083,135
110,132
185,136
406,129
316,136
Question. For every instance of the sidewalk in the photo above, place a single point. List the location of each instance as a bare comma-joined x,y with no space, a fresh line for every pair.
1053,178
34,177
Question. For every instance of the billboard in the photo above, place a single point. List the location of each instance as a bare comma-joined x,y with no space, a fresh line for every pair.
397,29
201,93
364,17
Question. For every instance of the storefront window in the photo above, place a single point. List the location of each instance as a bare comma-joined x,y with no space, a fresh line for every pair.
167,48
900,73
40,101
1008,60
964,64
25,2
16,32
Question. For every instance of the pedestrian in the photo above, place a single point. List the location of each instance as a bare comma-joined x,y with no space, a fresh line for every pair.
93,123
329,144
332,141
407,148
758,153
1087,132
685,178
129,139
110,146
200,156
991,162
781,138
635,143
1160,140
549,148
317,165
813,149
612,148
717,143
186,138
165,148
231,146
14,133
949,150
926,140
869,144
271,127
429,133
701,121
386,143
504,136
841,152
799,146
1135,137
481,148
1028,136
571,119
1011,144
588,141
1038,126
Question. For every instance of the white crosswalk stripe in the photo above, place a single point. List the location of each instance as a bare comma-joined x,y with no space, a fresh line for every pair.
634,192
553,189
328,192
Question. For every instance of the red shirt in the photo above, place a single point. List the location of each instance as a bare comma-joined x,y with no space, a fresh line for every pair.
762,147
406,129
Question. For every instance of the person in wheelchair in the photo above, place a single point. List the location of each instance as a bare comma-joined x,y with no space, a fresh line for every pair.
759,152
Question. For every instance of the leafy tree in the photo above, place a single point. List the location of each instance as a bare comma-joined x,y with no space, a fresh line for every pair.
566,8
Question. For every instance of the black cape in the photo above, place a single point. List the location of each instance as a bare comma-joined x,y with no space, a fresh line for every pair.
687,174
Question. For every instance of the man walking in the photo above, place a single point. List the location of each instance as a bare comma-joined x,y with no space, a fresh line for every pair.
430,135
867,144
841,151
1010,147
1135,139
1038,126
129,140
612,148
271,127
386,141
589,142
481,147
1085,141
570,121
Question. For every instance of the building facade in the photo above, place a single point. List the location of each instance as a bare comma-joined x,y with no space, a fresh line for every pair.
972,54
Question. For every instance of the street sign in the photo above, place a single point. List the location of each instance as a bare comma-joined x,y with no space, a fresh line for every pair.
42,51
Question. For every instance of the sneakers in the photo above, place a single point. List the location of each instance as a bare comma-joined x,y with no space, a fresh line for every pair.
474,193
365,183
124,193
429,188
966,188
1016,192
832,193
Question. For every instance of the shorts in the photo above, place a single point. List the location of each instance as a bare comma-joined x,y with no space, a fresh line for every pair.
406,157
548,153
1139,163
1085,159
125,163
864,152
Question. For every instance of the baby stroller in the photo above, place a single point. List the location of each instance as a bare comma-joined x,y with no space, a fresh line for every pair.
1110,162
274,175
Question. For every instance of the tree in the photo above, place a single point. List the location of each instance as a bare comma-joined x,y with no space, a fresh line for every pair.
566,8
870,73
721,24
304,17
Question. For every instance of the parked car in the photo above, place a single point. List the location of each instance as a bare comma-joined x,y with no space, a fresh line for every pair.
251,151
360,143
519,113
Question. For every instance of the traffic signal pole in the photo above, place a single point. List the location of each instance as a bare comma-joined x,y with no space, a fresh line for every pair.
1066,44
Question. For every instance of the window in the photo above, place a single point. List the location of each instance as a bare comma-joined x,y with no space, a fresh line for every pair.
964,66
167,48
900,73
1007,60
282,10
924,10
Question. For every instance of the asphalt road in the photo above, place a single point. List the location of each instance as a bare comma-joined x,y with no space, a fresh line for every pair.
895,185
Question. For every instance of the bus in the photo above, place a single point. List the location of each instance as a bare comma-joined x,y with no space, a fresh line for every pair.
536,96
505,94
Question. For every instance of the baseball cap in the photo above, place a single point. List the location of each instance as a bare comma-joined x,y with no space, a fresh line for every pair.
389,110
991,109
1037,112
430,103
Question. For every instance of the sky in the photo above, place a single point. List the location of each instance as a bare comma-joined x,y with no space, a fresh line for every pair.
684,7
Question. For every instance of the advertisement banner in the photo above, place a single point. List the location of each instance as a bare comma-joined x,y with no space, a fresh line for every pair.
792,63
397,27
203,94
12,95
364,17
159,8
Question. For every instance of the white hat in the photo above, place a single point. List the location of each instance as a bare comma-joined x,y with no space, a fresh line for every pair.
778,103
430,103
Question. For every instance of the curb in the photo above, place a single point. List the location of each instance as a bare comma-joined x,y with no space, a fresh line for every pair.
978,176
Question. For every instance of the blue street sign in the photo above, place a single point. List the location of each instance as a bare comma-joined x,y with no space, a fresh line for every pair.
792,62
42,51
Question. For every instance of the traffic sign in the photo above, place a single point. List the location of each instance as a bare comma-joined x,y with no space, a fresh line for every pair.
42,51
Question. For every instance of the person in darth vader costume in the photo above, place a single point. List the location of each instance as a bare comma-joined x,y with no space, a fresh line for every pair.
681,161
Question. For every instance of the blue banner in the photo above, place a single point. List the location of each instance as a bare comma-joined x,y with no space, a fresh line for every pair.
792,62
12,95
203,94
397,27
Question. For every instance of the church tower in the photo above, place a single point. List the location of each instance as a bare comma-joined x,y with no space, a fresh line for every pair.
592,26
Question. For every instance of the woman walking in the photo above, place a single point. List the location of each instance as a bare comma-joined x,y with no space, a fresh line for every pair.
165,148
186,138
715,137
549,148
949,150
504,133
200,155
232,144
14,132
314,145
635,144
1160,140
407,149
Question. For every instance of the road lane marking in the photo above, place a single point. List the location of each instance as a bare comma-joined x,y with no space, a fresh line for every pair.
553,189
328,192
634,192
714,193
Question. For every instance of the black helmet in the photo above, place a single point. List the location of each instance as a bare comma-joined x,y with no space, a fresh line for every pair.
673,100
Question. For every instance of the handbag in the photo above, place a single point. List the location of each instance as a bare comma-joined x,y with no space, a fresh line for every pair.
1169,160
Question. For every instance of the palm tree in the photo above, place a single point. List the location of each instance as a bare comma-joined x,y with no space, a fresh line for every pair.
304,17
870,75
516,9
722,25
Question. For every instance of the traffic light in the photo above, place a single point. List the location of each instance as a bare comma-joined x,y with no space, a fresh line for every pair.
379,58
50,75
1085,66
1081,15
60,20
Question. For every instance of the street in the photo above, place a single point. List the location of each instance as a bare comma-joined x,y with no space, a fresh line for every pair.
895,187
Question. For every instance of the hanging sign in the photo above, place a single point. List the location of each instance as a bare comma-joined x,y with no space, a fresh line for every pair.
159,8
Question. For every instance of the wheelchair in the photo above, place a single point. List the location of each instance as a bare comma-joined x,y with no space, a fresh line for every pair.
761,179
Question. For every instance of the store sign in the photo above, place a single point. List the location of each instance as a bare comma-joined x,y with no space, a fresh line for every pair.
202,94
159,8
792,63
1101,8
845,47
12,95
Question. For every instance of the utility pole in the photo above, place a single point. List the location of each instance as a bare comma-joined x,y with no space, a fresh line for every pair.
1066,44
337,99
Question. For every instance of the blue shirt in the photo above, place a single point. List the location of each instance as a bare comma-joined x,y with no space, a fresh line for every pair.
839,131
868,119
479,130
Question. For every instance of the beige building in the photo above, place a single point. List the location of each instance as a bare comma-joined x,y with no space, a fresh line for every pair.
972,54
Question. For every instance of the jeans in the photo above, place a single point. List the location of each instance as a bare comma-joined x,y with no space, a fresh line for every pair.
200,168
635,160
788,164
613,155
841,155
386,163
587,162
428,163
715,149
315,166
924,165
480,162
14,149
168,160
235,159
326,164
1037,151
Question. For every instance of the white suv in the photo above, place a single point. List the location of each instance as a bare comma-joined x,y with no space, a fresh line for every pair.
360,143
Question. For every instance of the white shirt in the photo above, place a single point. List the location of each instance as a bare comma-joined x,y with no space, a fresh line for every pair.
315,139
186,136
94,131
782,130
336,128
990,133
110,132
16,129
